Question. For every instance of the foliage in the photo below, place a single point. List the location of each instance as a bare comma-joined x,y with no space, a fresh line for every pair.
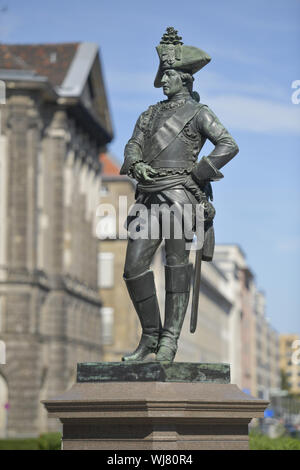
49,441
52,441
284,380
261,442
19,444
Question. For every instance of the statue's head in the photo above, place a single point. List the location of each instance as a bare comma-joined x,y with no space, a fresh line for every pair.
176,60
176,81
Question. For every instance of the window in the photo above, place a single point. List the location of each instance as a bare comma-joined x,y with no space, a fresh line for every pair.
2,352
236,272
106,227
1,314
106,270
104,191
3,194
2,94
107,324
90,87
53,57
4,407
222,254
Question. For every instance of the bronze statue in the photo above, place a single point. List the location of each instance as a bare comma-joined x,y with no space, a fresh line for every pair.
162,156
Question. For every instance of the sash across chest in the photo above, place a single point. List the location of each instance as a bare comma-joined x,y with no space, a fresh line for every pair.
166,134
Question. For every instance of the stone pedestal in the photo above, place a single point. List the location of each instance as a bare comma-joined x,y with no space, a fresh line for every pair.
154,406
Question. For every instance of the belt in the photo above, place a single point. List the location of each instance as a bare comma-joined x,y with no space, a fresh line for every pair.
183,164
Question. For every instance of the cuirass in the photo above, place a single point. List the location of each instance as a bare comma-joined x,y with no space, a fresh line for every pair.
171,139
163,146
179,154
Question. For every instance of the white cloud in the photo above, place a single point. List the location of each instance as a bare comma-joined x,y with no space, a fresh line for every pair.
257,115
236,55
271,25
210,82
131,82
289,246
251,106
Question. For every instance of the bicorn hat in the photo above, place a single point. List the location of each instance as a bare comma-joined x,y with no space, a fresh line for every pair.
174,55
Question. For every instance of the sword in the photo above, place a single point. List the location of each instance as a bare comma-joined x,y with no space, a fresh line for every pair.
196,291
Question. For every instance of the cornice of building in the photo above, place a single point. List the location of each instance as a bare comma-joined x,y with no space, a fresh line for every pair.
38,278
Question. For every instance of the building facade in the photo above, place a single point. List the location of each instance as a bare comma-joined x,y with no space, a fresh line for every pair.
210,342
254,344
267,371
120,325
55,121
231,261
290,361
248,357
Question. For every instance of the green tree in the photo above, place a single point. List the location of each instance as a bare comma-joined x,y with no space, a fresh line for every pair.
284,380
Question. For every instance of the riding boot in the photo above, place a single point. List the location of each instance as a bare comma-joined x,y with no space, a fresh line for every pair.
177,298
143,295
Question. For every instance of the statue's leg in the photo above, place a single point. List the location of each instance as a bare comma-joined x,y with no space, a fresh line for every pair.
141,287
178,274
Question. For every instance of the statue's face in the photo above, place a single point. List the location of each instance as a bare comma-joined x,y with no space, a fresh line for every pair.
171,82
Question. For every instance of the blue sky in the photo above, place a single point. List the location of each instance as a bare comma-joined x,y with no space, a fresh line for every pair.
254,47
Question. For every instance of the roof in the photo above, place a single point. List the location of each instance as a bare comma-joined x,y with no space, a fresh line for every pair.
71,72
50,60
109,166
8,60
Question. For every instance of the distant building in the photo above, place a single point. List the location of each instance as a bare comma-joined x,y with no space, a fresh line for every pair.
267,373
254,344
230,259
54,125
210,342
120,325
290,361
248,358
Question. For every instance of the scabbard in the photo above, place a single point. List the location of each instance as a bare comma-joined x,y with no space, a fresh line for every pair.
196,290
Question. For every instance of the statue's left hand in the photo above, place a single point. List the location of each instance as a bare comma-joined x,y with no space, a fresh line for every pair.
145,172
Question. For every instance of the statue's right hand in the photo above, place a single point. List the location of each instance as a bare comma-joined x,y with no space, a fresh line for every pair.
143,172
